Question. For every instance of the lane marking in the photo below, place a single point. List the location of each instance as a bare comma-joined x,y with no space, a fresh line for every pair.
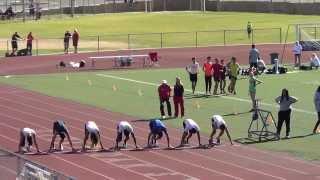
257,171
41,117
200,92
262,161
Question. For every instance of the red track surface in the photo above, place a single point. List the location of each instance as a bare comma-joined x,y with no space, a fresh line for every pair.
175,57
21,108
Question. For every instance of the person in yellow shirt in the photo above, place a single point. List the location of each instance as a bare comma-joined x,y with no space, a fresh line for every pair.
233,68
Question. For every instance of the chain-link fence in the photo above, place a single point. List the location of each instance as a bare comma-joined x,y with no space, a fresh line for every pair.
151,40
13,166
36,9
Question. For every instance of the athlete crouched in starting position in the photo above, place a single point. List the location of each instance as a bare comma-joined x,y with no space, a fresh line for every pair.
157,128
125,128
27,139
218,123
91,129
59,128
189,127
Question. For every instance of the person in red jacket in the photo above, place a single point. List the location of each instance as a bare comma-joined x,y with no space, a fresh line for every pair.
75,40
178,97
208,69
29,43
164,91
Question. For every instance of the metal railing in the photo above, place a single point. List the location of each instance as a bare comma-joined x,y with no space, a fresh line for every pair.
14,166
153,40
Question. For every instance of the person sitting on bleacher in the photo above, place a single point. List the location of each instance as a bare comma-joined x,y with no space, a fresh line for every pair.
314,61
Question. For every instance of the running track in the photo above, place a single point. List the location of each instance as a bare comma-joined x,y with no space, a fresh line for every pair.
20,108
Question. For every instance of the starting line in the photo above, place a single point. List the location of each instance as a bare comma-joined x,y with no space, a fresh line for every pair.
199,92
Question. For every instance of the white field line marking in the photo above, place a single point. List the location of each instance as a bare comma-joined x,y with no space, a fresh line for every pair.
69,162
41,117
225,97
231,164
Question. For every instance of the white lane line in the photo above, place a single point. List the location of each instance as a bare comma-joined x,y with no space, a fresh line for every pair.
69,162
225,97
112,129
113,164
232,164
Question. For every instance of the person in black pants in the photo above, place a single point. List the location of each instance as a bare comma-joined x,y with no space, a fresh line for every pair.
284,113
317,105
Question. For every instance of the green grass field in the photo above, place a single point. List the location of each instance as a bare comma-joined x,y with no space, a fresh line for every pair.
113,29
135,94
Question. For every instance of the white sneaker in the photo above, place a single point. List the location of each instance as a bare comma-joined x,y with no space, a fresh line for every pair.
163,117
61,147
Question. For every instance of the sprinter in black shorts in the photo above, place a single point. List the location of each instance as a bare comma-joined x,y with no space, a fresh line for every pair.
59,128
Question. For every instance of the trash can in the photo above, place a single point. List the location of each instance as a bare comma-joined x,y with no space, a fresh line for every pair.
274,56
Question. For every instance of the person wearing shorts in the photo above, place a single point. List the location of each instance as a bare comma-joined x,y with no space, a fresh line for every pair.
157,128
217,122
59,128
27,139
91,130
190,127
125,128
193,70
233,68
14,42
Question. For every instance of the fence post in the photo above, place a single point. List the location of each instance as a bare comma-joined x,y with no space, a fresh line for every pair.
128,41
280,35
161,40
196,39
8,46
224,37
37,47
98,43
315,32
252,35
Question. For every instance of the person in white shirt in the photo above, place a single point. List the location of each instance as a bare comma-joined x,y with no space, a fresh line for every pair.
91,130
314,61
125,128
317,106
27,139
193,70
218,123
190,127
297,51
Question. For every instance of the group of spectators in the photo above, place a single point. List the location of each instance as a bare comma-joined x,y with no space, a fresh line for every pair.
34,12
75,40
217,71
15,38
